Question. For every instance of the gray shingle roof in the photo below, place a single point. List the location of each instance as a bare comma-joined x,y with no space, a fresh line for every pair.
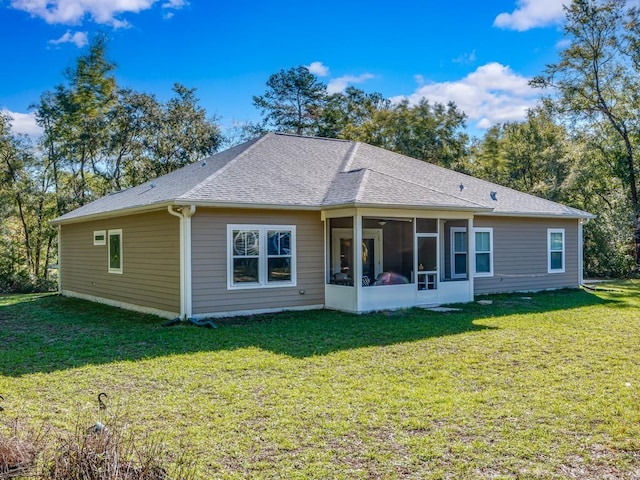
288,171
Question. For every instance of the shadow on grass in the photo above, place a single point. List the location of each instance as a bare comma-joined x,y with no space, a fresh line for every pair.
50,333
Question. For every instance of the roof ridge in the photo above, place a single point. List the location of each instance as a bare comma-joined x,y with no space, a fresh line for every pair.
349,157
426,187
310,137
227,166
363,182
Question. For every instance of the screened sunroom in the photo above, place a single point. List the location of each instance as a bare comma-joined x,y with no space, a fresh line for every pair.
379,259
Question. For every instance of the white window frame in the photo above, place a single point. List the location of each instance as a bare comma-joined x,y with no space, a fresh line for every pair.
488,230
452,234
263,257
111,233
550,251
99,233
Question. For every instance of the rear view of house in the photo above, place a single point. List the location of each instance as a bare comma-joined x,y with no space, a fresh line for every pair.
289,222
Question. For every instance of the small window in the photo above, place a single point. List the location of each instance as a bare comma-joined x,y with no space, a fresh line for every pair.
115,251
484,252
100,237
555,242
261,256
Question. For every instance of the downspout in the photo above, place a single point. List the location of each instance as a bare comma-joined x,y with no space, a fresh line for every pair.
184,214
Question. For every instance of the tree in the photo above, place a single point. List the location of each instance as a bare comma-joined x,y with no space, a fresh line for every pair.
433,133
293,101
346,112
596,85
75,121
28,240
179,132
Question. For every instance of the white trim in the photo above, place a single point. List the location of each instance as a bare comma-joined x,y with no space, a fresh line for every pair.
263,256
260,311
357,259
580,254
59,227
472,258
119,270
452,240
549,232
398,213
586,215
488,230
98,233
118,304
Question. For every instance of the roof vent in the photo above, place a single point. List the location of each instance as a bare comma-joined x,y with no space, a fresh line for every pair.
493,195
152,185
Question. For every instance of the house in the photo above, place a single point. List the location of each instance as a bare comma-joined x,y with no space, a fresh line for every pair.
290,222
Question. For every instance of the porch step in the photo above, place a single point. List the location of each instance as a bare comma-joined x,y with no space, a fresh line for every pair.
438,308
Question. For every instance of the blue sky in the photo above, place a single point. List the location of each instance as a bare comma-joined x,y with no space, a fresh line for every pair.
479,54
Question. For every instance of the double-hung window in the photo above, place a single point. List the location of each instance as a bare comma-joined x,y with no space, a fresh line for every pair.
484,252
555,250
261,256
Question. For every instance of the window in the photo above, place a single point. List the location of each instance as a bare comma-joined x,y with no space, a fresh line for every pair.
99,237
261,256
555,242
115,251
484,252
458,252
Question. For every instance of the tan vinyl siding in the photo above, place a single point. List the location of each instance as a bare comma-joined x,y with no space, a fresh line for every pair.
209,260
150,254
520,255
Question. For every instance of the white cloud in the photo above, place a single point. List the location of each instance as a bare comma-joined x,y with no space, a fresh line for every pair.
466,58
176,4
24,123
491,94
73,12
530,14
317,68
79,38
337,85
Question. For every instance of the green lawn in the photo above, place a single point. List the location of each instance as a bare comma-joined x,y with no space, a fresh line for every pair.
542,386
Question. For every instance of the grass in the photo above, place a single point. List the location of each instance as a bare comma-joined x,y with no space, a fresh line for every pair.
545,386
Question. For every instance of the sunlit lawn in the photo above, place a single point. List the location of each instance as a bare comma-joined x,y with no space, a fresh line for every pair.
539,386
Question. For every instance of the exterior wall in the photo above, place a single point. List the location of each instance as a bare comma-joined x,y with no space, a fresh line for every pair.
520,255
209,262
151,263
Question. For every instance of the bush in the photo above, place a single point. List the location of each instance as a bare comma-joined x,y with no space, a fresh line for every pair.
19,448
111,453
22,282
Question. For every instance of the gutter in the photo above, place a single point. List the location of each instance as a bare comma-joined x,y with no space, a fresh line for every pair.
573,216
184,213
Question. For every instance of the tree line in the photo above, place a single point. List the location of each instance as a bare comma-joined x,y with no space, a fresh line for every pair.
578,147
